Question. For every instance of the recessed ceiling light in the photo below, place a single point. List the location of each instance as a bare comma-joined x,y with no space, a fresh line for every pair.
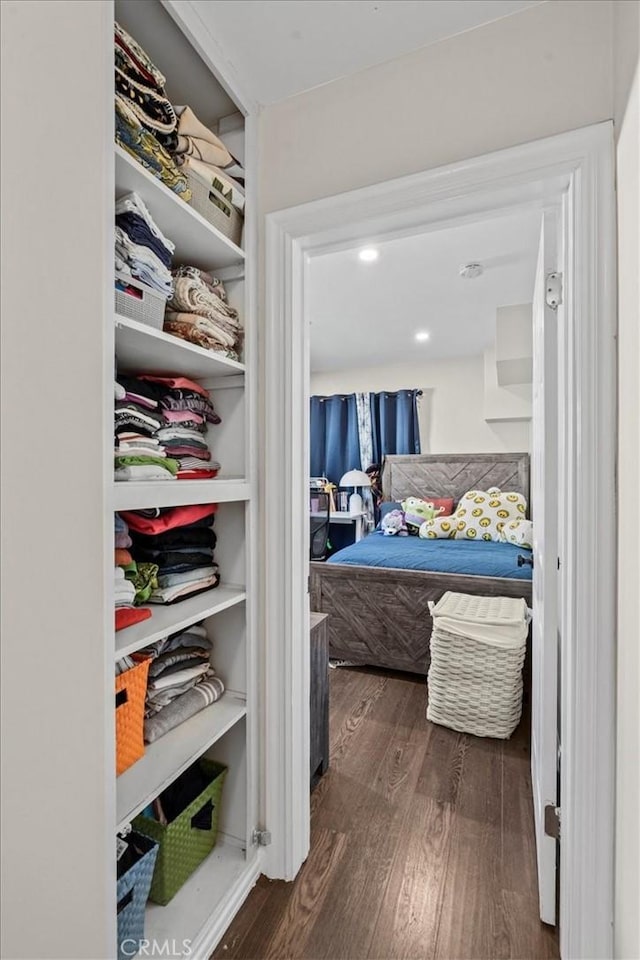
368,254
422,335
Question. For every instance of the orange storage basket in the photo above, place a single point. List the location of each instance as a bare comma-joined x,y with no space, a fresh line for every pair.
131,690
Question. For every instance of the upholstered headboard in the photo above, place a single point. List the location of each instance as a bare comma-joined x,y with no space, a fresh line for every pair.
451,475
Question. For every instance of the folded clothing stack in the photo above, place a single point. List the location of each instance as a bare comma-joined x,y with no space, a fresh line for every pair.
198,312
131,585
180,542
181,680
160,429
205,156
141,249
146,123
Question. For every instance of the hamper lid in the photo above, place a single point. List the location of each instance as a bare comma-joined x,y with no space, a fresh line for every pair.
500,621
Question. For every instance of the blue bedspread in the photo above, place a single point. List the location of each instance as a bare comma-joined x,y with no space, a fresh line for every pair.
480,558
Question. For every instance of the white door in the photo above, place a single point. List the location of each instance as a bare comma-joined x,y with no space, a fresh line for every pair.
544,507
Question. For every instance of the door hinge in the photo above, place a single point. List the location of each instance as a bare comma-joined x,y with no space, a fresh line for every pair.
552,821
309,584
553,290
260,838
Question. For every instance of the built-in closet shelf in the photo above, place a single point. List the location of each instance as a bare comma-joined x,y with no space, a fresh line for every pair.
188,915
139,495
143,349
177,616
197,242
168,757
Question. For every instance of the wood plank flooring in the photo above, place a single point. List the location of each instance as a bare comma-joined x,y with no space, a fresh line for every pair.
422,843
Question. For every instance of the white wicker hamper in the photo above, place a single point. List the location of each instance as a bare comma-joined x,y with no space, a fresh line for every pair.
478,646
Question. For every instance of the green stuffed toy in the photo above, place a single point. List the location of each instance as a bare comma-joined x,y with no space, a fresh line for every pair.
417,511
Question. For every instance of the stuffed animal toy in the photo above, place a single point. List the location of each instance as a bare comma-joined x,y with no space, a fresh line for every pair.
393,524
417,512
480,515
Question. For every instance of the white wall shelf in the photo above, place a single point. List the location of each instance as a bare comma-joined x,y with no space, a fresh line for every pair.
138,495
168,757
198,243
207,891
143,349
169,619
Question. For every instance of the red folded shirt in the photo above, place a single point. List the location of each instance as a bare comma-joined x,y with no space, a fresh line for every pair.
174,517
126,616
197,474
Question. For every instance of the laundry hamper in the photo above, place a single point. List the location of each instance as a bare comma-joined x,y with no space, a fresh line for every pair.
187,839
478,646
131,690
135,871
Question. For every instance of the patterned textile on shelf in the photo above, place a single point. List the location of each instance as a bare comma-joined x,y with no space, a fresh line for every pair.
141,84
141,144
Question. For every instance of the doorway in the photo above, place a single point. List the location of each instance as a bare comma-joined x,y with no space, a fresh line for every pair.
571,173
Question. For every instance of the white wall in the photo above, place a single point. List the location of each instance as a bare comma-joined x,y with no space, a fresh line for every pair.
58,863
627,123
451,411
537,73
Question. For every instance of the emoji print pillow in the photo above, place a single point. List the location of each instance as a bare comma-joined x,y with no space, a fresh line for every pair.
480,515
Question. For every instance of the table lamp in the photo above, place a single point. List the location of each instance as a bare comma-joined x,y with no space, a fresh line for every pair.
355,478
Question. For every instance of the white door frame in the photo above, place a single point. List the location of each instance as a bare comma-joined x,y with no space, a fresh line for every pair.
575,169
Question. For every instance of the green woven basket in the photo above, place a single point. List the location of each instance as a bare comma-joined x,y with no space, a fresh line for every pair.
187,840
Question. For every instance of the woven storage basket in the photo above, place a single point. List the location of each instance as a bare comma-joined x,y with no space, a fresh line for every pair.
215,208
139,302
131,690
188,839
133,893
475,675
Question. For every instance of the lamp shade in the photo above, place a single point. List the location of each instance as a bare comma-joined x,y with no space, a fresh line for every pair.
355,478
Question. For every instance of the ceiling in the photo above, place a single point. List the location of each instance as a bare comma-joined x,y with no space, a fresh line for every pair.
367,314
282,47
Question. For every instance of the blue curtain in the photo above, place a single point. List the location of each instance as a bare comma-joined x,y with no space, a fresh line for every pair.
394,421
335,447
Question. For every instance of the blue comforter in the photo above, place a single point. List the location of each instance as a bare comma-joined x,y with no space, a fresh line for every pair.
475,558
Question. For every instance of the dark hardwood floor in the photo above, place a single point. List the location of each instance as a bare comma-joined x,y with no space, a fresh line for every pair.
422,843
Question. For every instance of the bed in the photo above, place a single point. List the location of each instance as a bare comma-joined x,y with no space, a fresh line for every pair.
377,591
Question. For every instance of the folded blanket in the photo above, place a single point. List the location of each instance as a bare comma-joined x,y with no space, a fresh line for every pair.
157,520
196,140
141,144
133,203
183,656
138,231
201,332
183,590
127,616
207,691
157,699
143,263
195,273
145,460
143,472
192,295
173,678
194,635
187,576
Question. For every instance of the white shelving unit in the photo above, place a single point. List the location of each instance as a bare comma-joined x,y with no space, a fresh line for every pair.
226,730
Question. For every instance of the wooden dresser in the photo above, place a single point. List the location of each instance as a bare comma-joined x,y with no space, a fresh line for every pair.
319,696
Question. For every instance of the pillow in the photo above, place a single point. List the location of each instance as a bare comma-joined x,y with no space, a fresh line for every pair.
416,512
387,506
480,515
519,532
443,505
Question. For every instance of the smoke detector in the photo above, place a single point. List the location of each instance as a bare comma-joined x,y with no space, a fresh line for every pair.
469,271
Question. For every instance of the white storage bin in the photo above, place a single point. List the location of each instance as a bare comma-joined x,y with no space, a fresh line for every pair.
139,302
478,647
